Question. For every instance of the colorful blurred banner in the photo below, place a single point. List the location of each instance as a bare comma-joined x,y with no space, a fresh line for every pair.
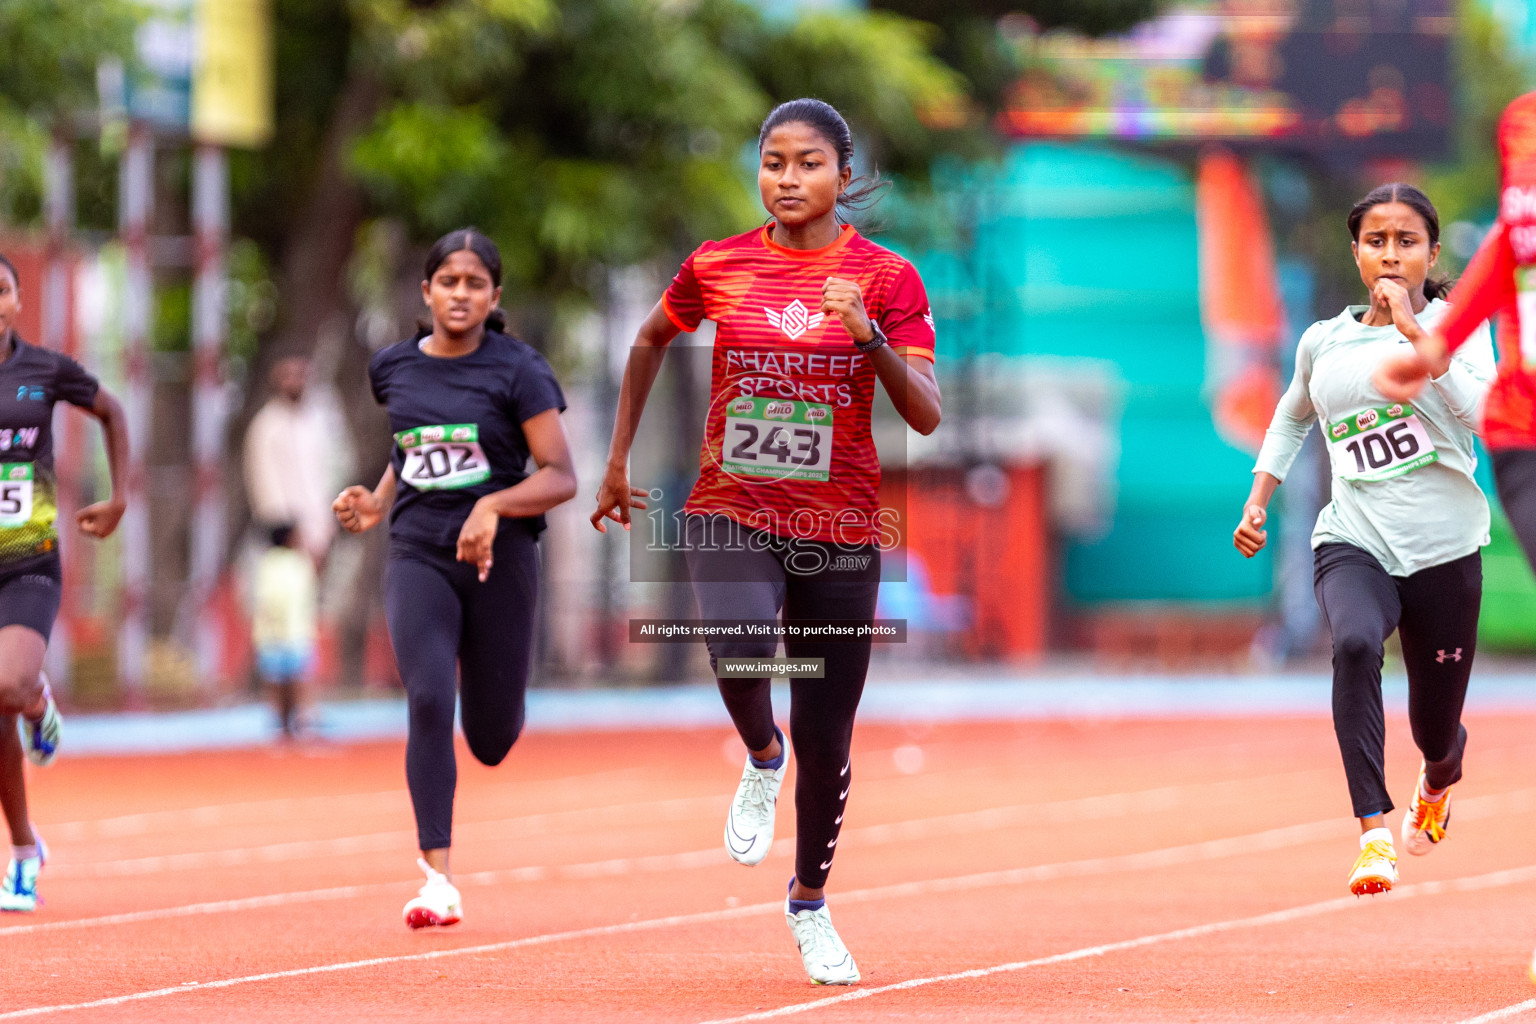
232,84
204,68
1240,305
1343,79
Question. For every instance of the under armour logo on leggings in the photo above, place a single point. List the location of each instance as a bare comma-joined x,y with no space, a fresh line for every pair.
1442,657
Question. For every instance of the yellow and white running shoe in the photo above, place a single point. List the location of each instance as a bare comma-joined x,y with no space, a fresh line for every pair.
1425,823
1376,868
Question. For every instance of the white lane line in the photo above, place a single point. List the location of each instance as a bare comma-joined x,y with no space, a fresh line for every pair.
1109,805
1505,1013
1494,879
1213,849
289,809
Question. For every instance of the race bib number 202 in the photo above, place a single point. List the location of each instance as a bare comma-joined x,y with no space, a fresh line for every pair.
441,458
778,438
1378,444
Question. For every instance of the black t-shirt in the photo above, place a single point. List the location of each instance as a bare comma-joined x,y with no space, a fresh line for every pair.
458,427
32,379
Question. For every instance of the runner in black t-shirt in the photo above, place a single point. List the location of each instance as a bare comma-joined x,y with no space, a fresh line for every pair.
468,405
32,380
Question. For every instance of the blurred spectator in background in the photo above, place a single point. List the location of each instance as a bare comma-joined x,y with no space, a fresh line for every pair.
284,624
288,462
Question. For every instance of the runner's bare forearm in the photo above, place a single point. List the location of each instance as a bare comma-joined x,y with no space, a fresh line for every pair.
913,389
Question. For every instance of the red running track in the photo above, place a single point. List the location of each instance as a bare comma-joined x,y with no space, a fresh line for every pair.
1140,870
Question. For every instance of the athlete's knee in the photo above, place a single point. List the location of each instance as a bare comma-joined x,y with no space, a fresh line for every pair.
1356,650
19,690
490,745
749,648
430,709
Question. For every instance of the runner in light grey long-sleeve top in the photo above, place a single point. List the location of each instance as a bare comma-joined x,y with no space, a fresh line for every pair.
1399,545
1410,520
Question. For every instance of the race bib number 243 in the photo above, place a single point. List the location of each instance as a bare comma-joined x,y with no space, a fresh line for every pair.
778,439
440,458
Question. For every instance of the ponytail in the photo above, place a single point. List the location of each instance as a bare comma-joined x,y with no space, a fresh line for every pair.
1438,287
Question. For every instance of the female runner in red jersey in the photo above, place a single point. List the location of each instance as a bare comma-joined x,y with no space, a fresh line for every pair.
1499,283
785,515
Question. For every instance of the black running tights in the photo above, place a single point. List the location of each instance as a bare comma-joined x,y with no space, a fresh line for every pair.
754,580
1435,613
448,628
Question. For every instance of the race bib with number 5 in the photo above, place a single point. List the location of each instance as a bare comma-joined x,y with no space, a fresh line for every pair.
1378,444
15,494
777,438
441,458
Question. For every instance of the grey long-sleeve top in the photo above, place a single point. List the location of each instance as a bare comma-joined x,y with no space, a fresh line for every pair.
1391,497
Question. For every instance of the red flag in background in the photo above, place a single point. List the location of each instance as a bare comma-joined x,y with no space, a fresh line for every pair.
1239,299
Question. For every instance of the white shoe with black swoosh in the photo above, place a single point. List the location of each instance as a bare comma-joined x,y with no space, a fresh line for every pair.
749,825
826,959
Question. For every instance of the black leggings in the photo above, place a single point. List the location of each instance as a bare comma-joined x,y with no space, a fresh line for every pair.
745,574
1435,613
446,627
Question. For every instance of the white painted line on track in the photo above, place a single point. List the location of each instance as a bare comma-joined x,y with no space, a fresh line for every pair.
1492,880
1109,805
1504,1014
1495,879
1172,856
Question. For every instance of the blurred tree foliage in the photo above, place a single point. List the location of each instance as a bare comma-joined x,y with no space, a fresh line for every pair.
580,134
47,73
1489,74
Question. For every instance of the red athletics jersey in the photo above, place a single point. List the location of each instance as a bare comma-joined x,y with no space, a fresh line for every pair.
1500,283
787,445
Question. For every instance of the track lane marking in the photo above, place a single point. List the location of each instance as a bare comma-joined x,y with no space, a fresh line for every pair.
1089,808
1494,879
1211,849
1507,1012
1491,880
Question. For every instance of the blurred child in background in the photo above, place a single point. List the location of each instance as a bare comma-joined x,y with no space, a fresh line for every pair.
284,626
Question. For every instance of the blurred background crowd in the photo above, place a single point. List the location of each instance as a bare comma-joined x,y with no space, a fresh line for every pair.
1125,212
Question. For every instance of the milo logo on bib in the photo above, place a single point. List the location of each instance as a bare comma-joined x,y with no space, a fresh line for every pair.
443,457
778,439
1378,444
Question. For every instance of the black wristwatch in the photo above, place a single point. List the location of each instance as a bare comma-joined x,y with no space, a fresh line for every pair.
873,343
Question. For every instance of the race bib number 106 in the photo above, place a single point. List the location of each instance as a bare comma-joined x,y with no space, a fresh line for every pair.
777,438
443,457
1378,444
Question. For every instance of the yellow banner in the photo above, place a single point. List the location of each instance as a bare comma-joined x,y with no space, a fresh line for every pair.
232,79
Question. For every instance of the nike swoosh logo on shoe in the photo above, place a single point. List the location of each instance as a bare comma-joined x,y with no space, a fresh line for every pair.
730,833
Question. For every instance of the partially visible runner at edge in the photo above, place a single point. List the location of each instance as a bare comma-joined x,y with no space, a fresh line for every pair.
468,406
1399,546
785,515
1499,284
32,380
